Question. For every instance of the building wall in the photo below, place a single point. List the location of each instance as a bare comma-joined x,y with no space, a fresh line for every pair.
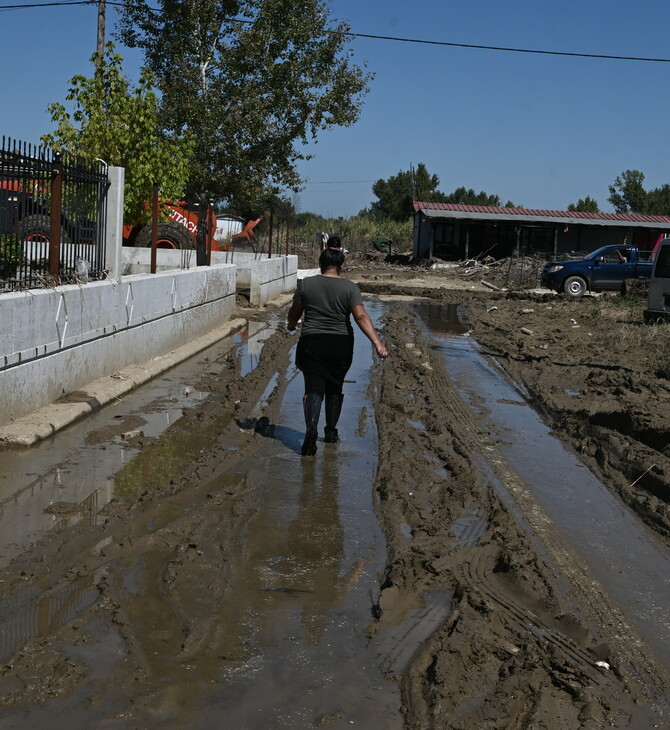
456,239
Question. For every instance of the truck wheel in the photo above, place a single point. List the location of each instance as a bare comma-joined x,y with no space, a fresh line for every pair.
37,228
170,235
574,286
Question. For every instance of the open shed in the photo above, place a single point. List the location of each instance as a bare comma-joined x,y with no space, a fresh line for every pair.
455,232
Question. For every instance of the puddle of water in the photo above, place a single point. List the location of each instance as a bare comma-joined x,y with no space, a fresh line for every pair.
296,607
441,318
397,646
287,646
468,528
78,465
249,344
416,424
30,614
627,559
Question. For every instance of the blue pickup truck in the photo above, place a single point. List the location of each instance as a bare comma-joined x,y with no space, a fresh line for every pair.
602,270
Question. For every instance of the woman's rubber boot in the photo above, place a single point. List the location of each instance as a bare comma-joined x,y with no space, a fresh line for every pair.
333,410
312,406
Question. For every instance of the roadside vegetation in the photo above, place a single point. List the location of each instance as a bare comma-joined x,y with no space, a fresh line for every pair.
622,320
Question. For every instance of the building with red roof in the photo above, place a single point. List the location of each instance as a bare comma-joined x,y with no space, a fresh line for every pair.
455,232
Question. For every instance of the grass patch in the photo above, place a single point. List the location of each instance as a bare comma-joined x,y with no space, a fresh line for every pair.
622,321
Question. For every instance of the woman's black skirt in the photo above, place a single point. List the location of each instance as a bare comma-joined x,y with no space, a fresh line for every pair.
328,356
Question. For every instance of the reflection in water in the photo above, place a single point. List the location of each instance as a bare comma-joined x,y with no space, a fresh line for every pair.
316,545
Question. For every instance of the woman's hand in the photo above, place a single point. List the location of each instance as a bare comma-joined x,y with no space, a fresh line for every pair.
381,350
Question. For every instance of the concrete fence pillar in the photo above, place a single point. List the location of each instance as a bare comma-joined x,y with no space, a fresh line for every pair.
114,227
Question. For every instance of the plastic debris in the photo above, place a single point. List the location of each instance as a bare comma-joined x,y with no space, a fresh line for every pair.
492,309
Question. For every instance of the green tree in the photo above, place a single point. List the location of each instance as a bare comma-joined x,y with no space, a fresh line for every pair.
112,122
658,200
470,197
627,194
395,195
585,205
252,80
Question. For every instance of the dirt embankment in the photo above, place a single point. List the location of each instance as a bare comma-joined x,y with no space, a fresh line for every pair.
512,653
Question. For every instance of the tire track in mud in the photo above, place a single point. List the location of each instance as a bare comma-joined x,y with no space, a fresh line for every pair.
506,579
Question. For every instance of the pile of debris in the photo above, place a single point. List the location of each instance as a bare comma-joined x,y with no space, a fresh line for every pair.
510,272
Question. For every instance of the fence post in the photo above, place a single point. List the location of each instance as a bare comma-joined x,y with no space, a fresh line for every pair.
211,227
154,227
114,225
56,202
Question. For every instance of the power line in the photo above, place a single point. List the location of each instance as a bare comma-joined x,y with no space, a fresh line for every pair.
336,182
508,49
395,39
49,4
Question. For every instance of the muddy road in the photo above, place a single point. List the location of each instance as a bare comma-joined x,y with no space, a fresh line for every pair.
485,548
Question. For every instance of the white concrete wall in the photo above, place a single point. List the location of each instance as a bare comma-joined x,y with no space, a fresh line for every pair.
266,277
55,341
272,277
138,260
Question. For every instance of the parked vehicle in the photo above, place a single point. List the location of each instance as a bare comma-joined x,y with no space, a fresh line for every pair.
658,301
601,270
24,214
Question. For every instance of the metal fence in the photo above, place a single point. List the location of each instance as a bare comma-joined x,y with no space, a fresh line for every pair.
52,217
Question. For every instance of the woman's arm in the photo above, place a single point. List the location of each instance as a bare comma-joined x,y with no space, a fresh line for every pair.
362,319
294,314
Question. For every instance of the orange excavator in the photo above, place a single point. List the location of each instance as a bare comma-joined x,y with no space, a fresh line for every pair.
181,228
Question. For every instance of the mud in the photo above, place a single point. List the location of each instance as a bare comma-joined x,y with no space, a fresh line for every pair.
474,610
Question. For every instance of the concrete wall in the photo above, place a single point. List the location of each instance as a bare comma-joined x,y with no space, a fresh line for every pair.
138,260
267,278
272,277
55,341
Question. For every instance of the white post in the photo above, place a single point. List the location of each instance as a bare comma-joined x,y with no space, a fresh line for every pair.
114,229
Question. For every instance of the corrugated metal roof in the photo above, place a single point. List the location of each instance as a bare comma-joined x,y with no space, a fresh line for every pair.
488,211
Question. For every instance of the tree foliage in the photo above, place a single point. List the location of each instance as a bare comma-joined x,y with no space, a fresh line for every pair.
658,200
115,123
395,195
252,80
628,195
585,205
470,197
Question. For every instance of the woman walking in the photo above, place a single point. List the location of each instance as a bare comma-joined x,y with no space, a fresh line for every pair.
326,345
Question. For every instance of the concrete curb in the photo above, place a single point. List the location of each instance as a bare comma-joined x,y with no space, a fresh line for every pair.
46,421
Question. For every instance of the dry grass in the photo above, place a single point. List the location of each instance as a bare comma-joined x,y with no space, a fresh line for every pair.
625,331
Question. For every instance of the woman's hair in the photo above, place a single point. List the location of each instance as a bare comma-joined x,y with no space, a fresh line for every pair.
331,257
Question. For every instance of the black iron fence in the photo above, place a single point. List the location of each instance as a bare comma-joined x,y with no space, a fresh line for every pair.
52,217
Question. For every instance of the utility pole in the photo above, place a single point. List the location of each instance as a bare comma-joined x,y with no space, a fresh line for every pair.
101,26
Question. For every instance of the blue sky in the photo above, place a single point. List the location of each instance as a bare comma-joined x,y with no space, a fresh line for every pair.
539,130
